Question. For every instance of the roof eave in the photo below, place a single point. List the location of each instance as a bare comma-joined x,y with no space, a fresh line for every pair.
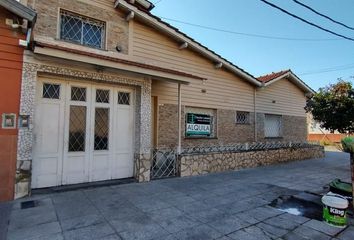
20,10
191,43
295,80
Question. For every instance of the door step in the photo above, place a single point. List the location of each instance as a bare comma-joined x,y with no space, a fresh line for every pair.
79,186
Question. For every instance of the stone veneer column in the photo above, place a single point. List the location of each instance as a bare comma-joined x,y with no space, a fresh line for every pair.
25,138
143,156
27,107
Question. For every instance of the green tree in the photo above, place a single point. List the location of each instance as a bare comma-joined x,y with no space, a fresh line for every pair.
333,108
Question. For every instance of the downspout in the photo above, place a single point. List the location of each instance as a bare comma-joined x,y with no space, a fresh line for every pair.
255,113
25,43
179,147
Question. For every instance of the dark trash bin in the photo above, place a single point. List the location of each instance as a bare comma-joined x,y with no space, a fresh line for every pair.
342,188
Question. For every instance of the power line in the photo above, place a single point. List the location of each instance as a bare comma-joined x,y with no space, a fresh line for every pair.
305,21
323,15
248,34
157,2
345,78
330,69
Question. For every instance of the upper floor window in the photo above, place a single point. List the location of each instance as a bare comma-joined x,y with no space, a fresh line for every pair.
81,30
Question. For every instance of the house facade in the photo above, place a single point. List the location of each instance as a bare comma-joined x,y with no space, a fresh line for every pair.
106,82
15,22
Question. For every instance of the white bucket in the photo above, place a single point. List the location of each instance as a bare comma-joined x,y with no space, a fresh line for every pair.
335,209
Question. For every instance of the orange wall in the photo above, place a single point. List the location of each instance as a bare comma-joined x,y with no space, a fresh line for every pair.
330,137
11,58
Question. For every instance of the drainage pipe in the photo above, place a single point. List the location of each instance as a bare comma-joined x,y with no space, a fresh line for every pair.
179,119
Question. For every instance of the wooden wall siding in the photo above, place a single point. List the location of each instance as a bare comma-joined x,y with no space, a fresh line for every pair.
224,89
289,99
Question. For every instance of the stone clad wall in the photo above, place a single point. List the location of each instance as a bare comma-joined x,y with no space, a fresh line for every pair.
227,131
198,164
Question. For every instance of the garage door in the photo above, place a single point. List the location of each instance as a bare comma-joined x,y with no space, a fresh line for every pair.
82,133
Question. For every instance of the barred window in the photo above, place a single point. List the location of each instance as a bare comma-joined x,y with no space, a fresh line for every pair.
242,117
82,30
273,126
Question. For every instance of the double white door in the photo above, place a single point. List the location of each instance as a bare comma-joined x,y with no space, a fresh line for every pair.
82,133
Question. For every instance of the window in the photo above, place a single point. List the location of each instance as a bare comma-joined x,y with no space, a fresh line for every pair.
77,129
101,128
51,91
242,117
272,126
102,96
78,94
82,30
123,98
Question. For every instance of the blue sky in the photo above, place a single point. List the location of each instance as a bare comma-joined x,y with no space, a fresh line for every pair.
260,56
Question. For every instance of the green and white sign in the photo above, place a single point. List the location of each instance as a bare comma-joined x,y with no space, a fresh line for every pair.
198,124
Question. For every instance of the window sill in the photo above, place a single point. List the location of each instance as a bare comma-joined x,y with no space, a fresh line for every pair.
273,138
204,138
80,45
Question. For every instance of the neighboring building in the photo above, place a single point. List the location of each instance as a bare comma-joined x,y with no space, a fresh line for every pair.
319,134
15,22
107,81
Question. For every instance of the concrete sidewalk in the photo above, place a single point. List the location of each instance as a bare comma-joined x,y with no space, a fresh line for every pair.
231,205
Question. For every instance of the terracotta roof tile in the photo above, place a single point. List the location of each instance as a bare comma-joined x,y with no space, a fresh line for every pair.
272,76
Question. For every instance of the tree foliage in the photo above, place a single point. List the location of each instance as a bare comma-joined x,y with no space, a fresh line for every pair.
333,107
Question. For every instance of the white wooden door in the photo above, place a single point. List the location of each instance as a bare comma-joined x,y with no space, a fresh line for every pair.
84,133
101,152
77,134
123,138
48,134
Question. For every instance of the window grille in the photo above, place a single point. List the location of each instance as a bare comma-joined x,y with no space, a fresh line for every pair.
101,128
123,98
82,30
51,91
242,117
272,126
77,129
78,94
102,96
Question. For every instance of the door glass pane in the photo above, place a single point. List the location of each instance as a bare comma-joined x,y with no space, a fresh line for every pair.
77,129
102,96
101,128
78,94
51,91
124,98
